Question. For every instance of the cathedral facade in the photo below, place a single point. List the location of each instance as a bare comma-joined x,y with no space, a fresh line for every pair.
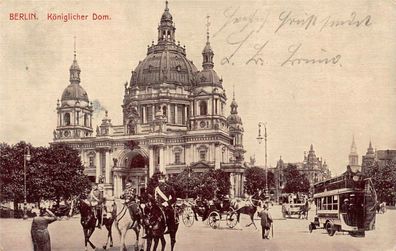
173,119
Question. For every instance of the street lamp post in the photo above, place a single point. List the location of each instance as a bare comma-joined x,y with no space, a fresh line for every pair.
26,158
260,139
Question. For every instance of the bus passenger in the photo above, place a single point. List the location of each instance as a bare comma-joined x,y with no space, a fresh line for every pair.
344,210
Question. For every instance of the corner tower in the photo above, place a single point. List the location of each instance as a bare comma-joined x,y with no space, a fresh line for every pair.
74,110
236,130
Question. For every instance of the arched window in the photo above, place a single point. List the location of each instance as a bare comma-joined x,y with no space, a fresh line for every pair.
66,118
203,109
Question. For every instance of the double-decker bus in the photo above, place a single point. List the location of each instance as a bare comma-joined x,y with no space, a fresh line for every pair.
345,203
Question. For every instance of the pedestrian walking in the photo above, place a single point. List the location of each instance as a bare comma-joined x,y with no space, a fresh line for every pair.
266,222
40,235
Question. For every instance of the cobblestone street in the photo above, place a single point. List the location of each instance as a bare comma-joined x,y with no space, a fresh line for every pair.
289,234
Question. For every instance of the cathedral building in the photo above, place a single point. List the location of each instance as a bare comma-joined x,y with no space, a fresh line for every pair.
173,118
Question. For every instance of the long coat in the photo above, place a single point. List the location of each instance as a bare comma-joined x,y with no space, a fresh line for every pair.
266,219
40,235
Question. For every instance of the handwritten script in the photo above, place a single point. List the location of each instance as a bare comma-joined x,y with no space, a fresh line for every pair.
251,34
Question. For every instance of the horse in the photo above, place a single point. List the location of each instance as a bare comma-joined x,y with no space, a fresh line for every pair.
247,207
111,211
123,222
303,213
88,221
155,219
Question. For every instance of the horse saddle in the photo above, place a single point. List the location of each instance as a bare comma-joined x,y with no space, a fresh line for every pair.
134,209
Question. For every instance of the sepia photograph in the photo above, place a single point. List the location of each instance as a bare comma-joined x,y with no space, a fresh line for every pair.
197,125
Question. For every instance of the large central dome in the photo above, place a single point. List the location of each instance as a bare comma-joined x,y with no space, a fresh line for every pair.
165,61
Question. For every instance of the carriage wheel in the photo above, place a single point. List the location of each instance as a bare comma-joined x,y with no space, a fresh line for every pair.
330,228
188,217
214,220
231,219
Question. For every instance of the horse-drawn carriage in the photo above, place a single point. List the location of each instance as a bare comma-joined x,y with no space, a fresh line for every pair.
211,211
221,210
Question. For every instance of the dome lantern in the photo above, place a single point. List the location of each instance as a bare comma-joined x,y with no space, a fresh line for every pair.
74,68
166,29
207,52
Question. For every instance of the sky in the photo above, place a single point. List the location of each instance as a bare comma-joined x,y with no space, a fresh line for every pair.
261,49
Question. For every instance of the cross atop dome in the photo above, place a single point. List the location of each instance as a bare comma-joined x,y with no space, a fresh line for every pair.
74,68
207,52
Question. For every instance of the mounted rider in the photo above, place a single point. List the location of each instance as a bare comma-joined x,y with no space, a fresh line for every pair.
96,200
168,205
132,202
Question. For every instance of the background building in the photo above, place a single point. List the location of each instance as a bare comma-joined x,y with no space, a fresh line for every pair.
380,156
313,167
173,118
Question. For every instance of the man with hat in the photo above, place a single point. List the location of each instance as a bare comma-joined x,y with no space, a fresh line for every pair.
345,209
130,197
96,201
266,222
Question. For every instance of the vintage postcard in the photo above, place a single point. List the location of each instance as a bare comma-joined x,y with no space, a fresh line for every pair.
198,125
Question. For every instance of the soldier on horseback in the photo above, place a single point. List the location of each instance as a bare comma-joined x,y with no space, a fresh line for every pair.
168,203
131,201
96,200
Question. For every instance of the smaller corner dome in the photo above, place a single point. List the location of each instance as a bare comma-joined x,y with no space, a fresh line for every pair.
209,77
74,92
233,119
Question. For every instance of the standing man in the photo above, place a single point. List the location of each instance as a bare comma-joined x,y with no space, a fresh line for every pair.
266,221
39,230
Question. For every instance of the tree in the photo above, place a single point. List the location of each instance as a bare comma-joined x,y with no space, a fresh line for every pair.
54,173
295,181
222,179
255,180
12,172
384,180
189,184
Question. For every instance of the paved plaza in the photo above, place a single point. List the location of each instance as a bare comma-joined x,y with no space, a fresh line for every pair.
289,234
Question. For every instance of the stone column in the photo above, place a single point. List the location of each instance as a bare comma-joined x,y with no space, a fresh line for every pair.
162,160
168,112
186,115
97,166
115,185
107,166
217,157
144,114
232,187
151,161
176,119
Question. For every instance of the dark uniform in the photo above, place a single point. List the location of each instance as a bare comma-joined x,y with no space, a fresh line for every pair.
266,221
